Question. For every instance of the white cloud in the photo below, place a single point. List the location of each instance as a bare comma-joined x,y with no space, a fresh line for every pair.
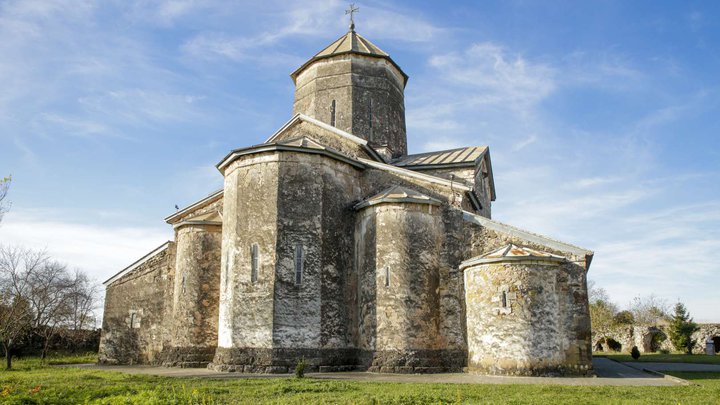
497,76
100,250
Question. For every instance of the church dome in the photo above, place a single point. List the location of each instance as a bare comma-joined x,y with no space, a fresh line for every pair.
350,43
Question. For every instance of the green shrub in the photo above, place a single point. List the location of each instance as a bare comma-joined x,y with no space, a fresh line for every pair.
635,353
300,368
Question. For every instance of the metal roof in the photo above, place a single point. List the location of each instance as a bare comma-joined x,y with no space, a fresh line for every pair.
455,157
351,42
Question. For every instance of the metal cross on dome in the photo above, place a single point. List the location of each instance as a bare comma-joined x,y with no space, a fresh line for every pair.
351,11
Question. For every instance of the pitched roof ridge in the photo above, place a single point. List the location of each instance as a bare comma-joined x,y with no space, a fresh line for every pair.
442,151
527,235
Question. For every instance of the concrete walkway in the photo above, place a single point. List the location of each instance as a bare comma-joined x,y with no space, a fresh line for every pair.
693,367
609,373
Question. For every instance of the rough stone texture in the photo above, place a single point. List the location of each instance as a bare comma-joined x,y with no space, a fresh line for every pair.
146,292
325,137
354,82
642,337
525,334
400,248
250,217
294,204
195,295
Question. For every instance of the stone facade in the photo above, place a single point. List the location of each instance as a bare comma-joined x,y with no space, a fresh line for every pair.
328,242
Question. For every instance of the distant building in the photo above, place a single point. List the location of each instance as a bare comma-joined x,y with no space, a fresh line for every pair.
330,242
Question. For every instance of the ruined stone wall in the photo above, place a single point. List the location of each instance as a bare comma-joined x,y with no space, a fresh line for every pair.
641,336
135,328
196,295
368,95
250,218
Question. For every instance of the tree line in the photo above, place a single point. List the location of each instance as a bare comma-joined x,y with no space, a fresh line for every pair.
40,300
650,310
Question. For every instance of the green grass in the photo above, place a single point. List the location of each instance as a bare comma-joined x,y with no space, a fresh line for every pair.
30,384
666,358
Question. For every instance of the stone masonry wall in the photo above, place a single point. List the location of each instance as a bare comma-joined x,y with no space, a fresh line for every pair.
513,320
134,329
196,296
368,95
249,218
400,290
572,290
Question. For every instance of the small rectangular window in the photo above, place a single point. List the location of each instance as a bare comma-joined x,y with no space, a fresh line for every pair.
387,276
332,113
298,263
504,299
254,263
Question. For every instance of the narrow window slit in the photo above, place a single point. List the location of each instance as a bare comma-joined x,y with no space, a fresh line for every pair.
504,299
387,276
370,119
332,113
254,263
298,263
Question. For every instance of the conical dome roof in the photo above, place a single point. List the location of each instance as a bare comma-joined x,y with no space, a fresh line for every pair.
352,42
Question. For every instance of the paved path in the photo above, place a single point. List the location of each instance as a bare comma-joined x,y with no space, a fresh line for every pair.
713,368
609,373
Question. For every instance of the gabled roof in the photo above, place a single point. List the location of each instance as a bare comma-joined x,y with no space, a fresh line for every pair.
451,157
350,43
209,218
137,263
345,135
509,253
214,196
300,144
397,194
448,159
530,237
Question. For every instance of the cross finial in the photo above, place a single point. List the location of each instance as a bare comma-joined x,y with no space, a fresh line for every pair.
351,10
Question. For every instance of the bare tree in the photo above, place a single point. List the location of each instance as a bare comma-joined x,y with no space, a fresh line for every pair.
41,296
16,316
650,310
4,187
82,302
50,291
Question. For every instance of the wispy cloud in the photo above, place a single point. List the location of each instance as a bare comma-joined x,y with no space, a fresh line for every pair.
99,249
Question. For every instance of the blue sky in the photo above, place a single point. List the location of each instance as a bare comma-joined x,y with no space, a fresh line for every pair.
602,118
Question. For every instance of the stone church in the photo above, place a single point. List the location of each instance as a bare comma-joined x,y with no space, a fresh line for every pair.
329,242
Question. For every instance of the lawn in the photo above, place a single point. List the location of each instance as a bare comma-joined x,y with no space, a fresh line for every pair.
666,358
34,383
